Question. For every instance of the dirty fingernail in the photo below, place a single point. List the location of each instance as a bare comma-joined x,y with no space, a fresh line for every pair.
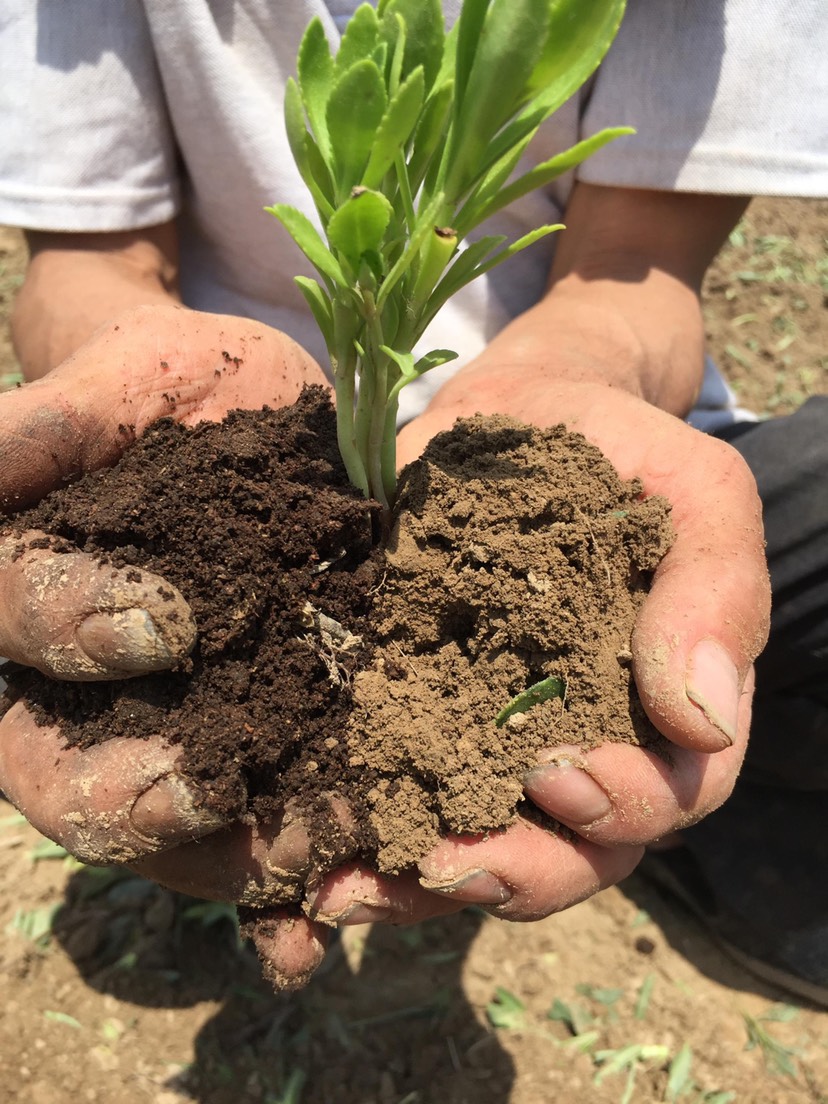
567,791
356,913
170,811
713,684
478,887
126,640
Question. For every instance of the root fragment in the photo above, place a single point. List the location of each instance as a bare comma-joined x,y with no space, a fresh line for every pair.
330,641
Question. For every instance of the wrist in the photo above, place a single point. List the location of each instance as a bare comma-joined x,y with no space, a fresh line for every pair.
76,283
645,339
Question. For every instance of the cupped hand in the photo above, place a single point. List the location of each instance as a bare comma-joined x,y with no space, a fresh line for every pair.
126,802
702,625
148,363
61,612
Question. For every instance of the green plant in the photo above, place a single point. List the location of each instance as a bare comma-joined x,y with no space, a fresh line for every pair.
408,139
778,1058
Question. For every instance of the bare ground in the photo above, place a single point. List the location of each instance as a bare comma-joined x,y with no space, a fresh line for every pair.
117,992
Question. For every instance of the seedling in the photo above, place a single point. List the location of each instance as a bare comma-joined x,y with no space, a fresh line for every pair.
35,924
778,1058
408,140
506,1011
62,1018
542,691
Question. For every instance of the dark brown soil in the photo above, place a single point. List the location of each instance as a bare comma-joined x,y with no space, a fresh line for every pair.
242,517
325,664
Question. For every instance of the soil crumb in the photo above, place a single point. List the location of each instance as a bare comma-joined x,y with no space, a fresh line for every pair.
326,665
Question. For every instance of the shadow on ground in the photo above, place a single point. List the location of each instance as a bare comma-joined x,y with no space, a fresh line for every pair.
386,1017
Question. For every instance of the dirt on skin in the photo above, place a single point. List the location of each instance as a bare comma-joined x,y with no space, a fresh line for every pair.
325,667
116,991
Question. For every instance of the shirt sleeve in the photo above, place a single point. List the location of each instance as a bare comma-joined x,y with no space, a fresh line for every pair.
727,96
86,141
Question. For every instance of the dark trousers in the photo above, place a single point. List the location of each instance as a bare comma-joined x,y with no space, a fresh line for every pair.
766,850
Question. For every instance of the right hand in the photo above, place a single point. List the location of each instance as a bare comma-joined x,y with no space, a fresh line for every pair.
124,801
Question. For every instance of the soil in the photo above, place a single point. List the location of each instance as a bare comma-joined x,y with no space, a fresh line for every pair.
118,992
518,556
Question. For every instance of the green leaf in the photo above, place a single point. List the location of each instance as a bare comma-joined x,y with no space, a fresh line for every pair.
594,992
506,1010
510,44
424,34
489,183
431,132
301,143
577,1018
469,30
355,109
542,691
678,1080
395,128
46,849
433,359
573,59
62,1018
13,820
410,369
543,174
321,173
425,226
315,68
358,226
359,39
614,1061
780,1013
404,361
303,232
463,268
516,247
580,33
34,924
320,305
642,1002
562,1013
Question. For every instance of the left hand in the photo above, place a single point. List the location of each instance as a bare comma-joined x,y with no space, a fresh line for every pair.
125,801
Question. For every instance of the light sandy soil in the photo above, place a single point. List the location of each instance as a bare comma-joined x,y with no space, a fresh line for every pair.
117,992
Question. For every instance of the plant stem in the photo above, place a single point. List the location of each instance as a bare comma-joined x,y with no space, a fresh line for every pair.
345,386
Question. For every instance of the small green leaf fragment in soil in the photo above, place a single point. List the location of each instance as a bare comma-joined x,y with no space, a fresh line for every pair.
552,687
506,1011
62,1018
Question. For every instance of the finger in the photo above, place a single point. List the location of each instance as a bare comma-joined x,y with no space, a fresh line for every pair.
260,864
112,803
707,614
621,795
289,945
618,794
355,894
153,362
524,872
254,865
73,617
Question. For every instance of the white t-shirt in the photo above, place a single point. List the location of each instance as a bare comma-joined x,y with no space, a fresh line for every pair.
119,114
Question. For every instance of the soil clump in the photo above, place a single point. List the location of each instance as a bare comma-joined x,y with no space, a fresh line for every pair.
326,664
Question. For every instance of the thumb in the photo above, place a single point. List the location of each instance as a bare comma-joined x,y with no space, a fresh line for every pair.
73,617
706,617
